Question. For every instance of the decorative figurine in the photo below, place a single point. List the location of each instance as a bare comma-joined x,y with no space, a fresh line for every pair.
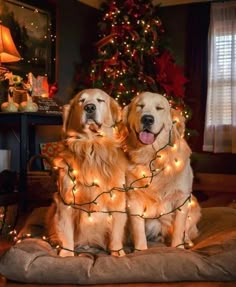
10,106
29,105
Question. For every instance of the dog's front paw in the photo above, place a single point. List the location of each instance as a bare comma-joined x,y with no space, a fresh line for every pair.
140,247
178,244
65,253
119,253
181,246
55,242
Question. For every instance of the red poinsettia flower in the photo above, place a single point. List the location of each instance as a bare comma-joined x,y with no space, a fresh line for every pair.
169,75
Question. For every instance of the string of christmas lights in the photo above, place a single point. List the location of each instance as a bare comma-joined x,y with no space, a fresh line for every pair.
125,188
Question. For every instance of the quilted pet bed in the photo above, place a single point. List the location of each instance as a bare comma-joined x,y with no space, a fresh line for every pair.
213,258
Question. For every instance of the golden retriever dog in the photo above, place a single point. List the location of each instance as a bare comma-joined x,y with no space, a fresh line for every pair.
160,176
90,205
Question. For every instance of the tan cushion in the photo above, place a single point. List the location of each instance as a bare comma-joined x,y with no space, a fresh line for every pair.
213,258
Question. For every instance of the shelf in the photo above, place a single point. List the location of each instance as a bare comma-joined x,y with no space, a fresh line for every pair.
26,121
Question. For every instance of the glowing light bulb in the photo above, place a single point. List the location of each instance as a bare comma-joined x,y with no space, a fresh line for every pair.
168,168
176,120
160,157
190,244
174,146
192,203
96,182
75,172
109,218
113,196
90,218
75,190
177,162
143,174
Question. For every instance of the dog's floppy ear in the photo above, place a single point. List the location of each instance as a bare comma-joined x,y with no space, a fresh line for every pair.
65,113
179,121
125,113
115,110
71,117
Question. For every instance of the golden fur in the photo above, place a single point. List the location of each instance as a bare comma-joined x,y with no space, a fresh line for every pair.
89,210
159,173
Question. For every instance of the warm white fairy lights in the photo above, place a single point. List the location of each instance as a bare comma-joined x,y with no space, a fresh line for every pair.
148,175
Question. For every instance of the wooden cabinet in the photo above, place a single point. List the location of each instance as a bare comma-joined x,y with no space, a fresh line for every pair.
26,123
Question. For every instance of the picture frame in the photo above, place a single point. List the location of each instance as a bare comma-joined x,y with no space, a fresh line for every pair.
33,33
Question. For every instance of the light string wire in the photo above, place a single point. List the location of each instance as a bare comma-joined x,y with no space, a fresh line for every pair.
125,188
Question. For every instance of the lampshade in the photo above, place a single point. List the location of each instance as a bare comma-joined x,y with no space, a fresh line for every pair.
8,51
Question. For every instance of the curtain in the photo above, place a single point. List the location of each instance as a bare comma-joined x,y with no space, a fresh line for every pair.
197,27
220,121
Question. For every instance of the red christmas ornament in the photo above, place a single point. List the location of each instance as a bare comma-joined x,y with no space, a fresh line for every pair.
53,90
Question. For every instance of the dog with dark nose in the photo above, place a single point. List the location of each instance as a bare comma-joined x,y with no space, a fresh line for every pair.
160,173
89,211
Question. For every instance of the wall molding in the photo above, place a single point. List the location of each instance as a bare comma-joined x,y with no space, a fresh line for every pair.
96,3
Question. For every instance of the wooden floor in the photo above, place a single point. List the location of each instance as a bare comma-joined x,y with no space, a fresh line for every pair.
5,283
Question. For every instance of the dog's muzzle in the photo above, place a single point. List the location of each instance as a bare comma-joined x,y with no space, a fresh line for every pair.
91,117
146,136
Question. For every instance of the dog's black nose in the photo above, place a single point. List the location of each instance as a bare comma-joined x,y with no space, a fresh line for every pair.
147,120
90,108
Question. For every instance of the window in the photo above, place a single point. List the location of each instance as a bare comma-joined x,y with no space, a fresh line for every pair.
220,122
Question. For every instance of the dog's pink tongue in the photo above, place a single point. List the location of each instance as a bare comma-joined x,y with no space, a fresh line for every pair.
146,137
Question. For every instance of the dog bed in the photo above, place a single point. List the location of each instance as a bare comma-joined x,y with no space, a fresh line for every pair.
213,258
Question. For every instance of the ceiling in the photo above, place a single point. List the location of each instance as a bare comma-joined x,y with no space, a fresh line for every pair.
97,3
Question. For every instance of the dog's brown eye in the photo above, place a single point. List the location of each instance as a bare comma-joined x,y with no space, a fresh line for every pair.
100,101
81,100
159,108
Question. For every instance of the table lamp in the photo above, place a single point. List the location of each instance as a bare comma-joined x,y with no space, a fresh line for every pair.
8,51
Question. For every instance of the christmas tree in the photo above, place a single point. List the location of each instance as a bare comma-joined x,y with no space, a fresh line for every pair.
132,55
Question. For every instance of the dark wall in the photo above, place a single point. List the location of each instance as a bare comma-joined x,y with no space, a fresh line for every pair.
76,33
76,29
174,19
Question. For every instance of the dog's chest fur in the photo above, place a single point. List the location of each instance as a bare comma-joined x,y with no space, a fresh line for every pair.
165,172
101,166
